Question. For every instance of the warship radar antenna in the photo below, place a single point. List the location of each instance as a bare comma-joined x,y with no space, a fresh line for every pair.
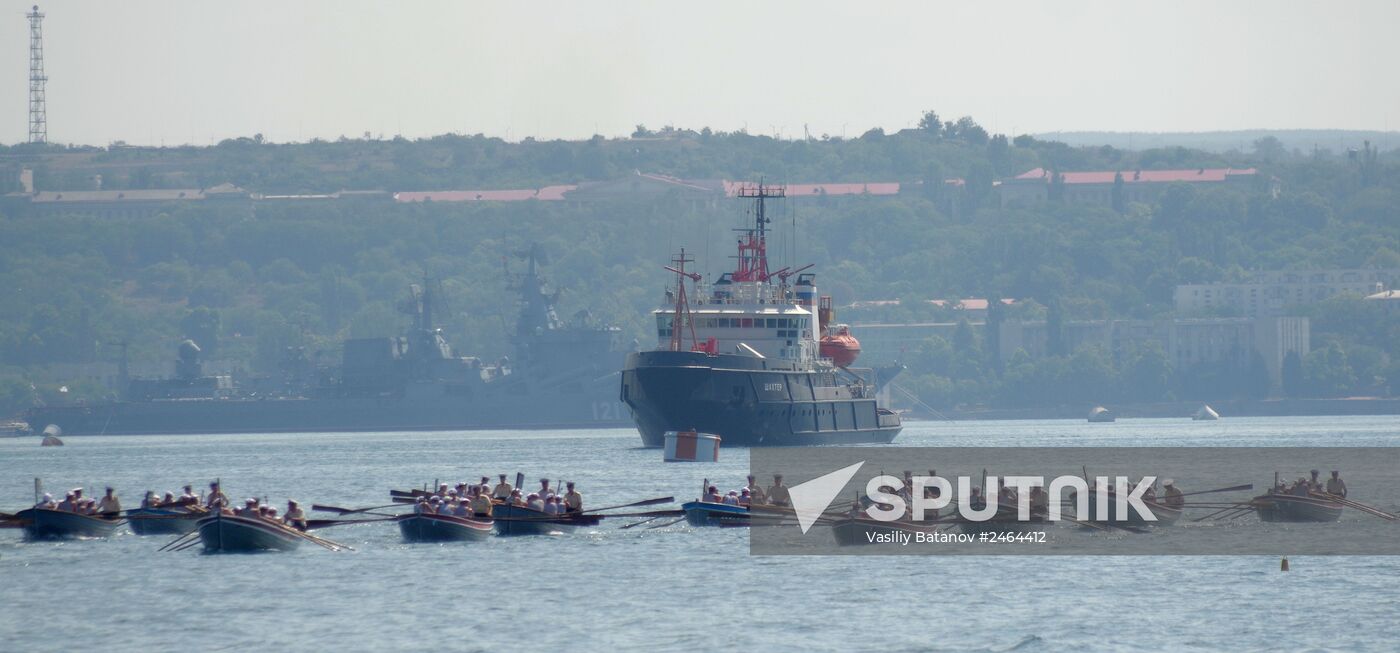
753,244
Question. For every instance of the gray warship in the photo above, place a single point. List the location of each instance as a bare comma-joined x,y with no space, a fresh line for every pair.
563,374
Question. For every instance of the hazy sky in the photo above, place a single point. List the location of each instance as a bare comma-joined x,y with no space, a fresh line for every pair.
195,72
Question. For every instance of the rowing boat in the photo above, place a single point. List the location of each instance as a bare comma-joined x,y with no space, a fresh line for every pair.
46,524
162,521
1164,514
425,527
853,531
1291,508
709,513
520,520
1005,521
222,533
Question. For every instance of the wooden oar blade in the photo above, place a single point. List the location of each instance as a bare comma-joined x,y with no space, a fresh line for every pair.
335,509
312,524
650,513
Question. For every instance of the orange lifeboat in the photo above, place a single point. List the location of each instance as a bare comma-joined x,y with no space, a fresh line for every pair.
840,346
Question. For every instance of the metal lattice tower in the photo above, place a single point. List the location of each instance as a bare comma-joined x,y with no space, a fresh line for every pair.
38,112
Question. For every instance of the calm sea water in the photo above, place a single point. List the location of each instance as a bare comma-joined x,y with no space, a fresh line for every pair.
675,588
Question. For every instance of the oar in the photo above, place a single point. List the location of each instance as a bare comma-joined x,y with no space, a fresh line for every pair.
179,540
650,513
1359,506
639,523
349,511
187,545
636,504
1235,488
665,524
327,523
1231,508
329,545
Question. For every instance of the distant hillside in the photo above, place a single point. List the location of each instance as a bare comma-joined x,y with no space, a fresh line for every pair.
1336,140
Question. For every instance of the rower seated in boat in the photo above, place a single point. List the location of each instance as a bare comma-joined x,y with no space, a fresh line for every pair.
745,498
110,502
517,498
1336,486
46,503
1172,494
731,499
68,504
1040,500
552,506
462,510
188,498
975,500
534,502
216,494
756,493
778,494
712,495
573,501
295,516
503,489
1301,488
150,500
481,505
249,509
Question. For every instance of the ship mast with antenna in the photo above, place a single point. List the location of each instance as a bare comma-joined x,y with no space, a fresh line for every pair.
680,318
753,245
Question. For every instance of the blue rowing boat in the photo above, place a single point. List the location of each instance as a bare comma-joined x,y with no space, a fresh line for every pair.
426,527
162,521
233,534
707,513
520,520
46,524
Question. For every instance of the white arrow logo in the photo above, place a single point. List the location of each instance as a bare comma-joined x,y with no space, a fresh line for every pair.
810,499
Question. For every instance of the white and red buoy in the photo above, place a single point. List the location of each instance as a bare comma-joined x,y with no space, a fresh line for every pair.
691,447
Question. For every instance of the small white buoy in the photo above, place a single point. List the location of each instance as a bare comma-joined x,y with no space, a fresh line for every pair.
691,447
